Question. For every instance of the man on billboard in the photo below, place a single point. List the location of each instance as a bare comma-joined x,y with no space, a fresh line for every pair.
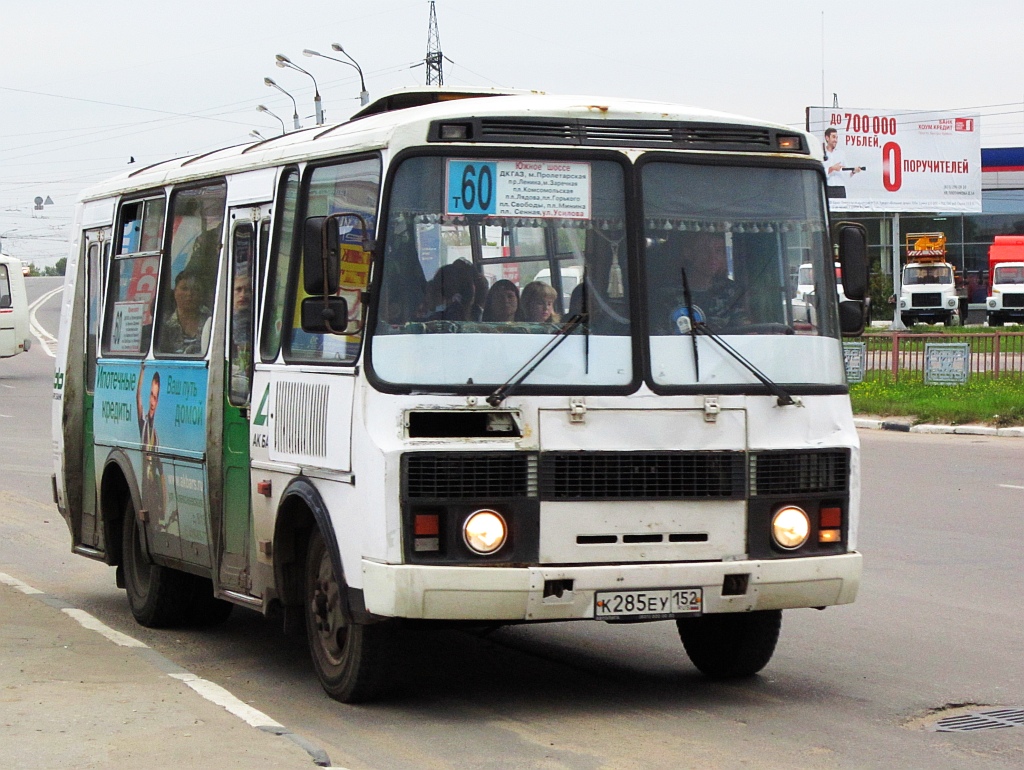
836,167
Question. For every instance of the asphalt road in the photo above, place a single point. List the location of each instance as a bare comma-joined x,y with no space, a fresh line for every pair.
939,624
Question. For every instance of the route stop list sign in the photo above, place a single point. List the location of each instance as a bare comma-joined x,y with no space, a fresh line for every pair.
518,188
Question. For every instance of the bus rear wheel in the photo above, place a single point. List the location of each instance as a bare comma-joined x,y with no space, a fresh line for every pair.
157,596
731,645
352,660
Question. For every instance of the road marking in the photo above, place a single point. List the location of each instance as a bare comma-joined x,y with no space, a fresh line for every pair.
46,340
1010,486
25,588
93,624
217,694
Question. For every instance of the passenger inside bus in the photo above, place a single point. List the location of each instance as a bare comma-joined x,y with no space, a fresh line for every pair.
537,303
186,328
502,302
450,293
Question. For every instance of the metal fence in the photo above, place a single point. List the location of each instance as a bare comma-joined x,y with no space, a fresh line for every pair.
992,356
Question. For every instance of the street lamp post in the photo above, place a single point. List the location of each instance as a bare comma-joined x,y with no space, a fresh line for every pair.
283,61
364,95
263,108
295,107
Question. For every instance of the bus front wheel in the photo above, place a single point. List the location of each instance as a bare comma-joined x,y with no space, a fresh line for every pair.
157,596
352,660
731,645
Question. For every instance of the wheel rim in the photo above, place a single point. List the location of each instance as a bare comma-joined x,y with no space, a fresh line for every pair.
325,609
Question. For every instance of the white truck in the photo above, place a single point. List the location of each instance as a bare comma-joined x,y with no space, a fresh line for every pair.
928,292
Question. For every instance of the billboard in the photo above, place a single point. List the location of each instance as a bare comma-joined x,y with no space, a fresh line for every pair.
899,160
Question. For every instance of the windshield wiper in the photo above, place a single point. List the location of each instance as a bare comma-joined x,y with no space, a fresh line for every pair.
693,322
506,389
783,398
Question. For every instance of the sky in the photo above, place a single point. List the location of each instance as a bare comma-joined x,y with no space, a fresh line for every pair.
86,87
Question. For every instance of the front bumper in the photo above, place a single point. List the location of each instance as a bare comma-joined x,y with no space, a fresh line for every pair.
517,593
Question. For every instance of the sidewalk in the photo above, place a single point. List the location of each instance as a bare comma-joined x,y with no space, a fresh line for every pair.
71,697
906,425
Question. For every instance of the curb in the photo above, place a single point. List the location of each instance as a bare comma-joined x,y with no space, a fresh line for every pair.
959,430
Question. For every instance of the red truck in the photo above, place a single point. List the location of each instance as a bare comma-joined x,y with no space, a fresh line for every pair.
1005,280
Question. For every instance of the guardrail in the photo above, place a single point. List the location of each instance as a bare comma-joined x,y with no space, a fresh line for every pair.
993,355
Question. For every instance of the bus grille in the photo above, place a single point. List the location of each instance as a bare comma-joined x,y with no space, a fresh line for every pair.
1013,300
464,475
921,299
577,476
300,424
620,133
799,473
641,475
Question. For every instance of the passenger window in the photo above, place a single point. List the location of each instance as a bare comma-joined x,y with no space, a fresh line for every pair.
133,279
344,188
240,347
190,271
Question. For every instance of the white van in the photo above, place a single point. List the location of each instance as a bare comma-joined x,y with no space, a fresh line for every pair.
14,336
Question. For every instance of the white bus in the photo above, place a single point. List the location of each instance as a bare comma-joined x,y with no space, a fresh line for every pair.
317,376
14,331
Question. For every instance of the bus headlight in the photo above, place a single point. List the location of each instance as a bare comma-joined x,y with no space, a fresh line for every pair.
484,531
791,526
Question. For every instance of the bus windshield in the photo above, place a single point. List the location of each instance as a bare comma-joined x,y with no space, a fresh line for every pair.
486,260
723,247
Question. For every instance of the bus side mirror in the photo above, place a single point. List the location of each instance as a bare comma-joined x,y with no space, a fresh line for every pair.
853,258
321,260
324,315
851,317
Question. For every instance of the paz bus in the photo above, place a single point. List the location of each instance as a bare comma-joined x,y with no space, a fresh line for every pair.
14,322
282,382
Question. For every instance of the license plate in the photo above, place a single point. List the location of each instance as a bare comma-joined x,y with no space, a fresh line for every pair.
657,603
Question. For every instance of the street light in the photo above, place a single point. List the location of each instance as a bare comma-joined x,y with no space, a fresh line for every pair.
364,95
263,108
295,107
283,61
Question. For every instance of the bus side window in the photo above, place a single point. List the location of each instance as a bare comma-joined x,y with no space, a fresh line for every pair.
5,288
133,279
351,187
189,277
280,266
240,315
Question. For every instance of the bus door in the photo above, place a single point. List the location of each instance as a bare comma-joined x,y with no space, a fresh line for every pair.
97,246
250,233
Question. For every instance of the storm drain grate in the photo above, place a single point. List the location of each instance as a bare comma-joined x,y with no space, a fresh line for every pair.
980,720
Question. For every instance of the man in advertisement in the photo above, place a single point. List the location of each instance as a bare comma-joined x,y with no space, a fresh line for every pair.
153,489
836,166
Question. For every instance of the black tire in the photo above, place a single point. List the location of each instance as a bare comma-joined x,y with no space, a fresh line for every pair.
908,320
352,660
206,610
995,320
157,596
731,645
